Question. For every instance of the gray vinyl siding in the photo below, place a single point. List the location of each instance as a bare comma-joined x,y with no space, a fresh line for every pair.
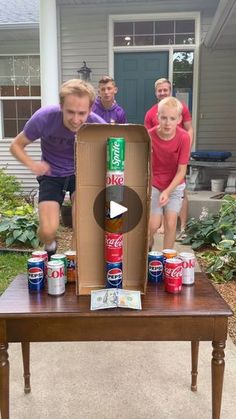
13,167
84,30
217,101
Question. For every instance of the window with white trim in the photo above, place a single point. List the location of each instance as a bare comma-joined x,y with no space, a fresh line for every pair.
20,94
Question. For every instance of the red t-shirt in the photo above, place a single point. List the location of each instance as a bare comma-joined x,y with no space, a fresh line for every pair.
151,120
167,155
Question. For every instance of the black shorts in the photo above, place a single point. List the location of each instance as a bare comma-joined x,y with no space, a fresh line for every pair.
54,188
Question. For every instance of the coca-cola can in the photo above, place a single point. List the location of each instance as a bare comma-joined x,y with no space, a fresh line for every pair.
173,275
113,247
188,264
56,277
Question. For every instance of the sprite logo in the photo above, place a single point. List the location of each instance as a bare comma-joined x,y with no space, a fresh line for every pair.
116,161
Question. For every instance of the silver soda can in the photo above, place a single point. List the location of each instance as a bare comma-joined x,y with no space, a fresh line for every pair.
188,264
56,277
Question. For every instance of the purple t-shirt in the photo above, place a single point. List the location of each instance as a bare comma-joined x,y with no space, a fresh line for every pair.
115,114
57,141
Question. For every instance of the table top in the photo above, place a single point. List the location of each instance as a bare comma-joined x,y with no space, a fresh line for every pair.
200,299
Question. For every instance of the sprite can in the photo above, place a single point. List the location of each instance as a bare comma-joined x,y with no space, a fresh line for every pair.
62,258
115,154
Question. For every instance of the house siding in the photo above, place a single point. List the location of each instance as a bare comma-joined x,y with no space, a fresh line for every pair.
217,101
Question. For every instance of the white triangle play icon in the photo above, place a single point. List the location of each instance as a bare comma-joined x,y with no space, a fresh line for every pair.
116,209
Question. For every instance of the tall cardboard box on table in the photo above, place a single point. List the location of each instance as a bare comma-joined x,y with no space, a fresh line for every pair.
90,181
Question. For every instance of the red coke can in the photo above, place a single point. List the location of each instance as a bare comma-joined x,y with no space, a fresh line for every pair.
113,247
173,271
188,264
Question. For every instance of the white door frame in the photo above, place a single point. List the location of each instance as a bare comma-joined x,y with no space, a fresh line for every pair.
152,48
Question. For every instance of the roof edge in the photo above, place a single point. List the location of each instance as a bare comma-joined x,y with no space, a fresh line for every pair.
221,17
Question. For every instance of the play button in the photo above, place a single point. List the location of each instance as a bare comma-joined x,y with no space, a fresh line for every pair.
116,209
117,215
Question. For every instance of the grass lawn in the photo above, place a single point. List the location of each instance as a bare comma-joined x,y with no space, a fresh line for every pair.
11,265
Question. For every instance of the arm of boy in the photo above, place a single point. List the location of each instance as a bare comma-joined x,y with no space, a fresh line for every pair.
17,148
180,174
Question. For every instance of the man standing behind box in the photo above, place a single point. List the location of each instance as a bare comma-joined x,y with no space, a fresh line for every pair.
56,126
105,104
162,90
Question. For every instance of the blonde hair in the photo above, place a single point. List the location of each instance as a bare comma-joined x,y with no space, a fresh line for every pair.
79,88
160,81
171,102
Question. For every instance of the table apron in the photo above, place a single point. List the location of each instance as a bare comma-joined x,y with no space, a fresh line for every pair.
82,328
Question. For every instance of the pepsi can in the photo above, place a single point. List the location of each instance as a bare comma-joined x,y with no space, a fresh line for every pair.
35,271
114,275
155,266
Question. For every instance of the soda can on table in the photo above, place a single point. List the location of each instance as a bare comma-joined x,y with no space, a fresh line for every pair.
188,264
155,266
114,275
61,257
42,254
56,277
113,247
35,269
169,253
115,154
173,275
71,265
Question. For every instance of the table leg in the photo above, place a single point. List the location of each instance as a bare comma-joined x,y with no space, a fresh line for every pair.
194,354
217,376
25,347
4,381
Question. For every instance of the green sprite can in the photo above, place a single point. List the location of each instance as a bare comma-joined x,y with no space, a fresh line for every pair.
62,258
115,154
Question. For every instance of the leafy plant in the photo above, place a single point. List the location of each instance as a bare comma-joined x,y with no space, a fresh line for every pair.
20,229
210,229
221,263
10,191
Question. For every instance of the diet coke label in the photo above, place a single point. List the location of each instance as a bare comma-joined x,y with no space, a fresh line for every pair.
114,178
188,264
113,247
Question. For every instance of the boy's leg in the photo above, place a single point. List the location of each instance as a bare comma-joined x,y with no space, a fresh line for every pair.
154,224
170,223
172,210
183,215
49,215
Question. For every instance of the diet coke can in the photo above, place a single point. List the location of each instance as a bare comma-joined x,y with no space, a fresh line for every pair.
114,275
56,277
188,264
155,266
173,275
113,247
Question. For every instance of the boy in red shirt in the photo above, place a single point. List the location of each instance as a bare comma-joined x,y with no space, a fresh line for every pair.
170,155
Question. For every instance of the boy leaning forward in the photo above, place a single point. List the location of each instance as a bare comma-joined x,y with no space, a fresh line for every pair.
170,156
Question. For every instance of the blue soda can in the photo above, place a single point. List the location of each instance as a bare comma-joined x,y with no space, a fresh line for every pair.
155,266
35,274
114,275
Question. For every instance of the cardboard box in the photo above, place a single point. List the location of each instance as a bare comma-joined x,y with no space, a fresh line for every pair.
90,181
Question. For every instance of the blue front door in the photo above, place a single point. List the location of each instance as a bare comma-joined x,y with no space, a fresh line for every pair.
135,75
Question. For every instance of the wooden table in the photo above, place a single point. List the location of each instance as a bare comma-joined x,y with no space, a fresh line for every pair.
198,313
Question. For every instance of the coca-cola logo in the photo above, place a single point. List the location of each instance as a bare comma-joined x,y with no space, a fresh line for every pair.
114,275
155,267
114,243
190,263
173,272
114,179
56,273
